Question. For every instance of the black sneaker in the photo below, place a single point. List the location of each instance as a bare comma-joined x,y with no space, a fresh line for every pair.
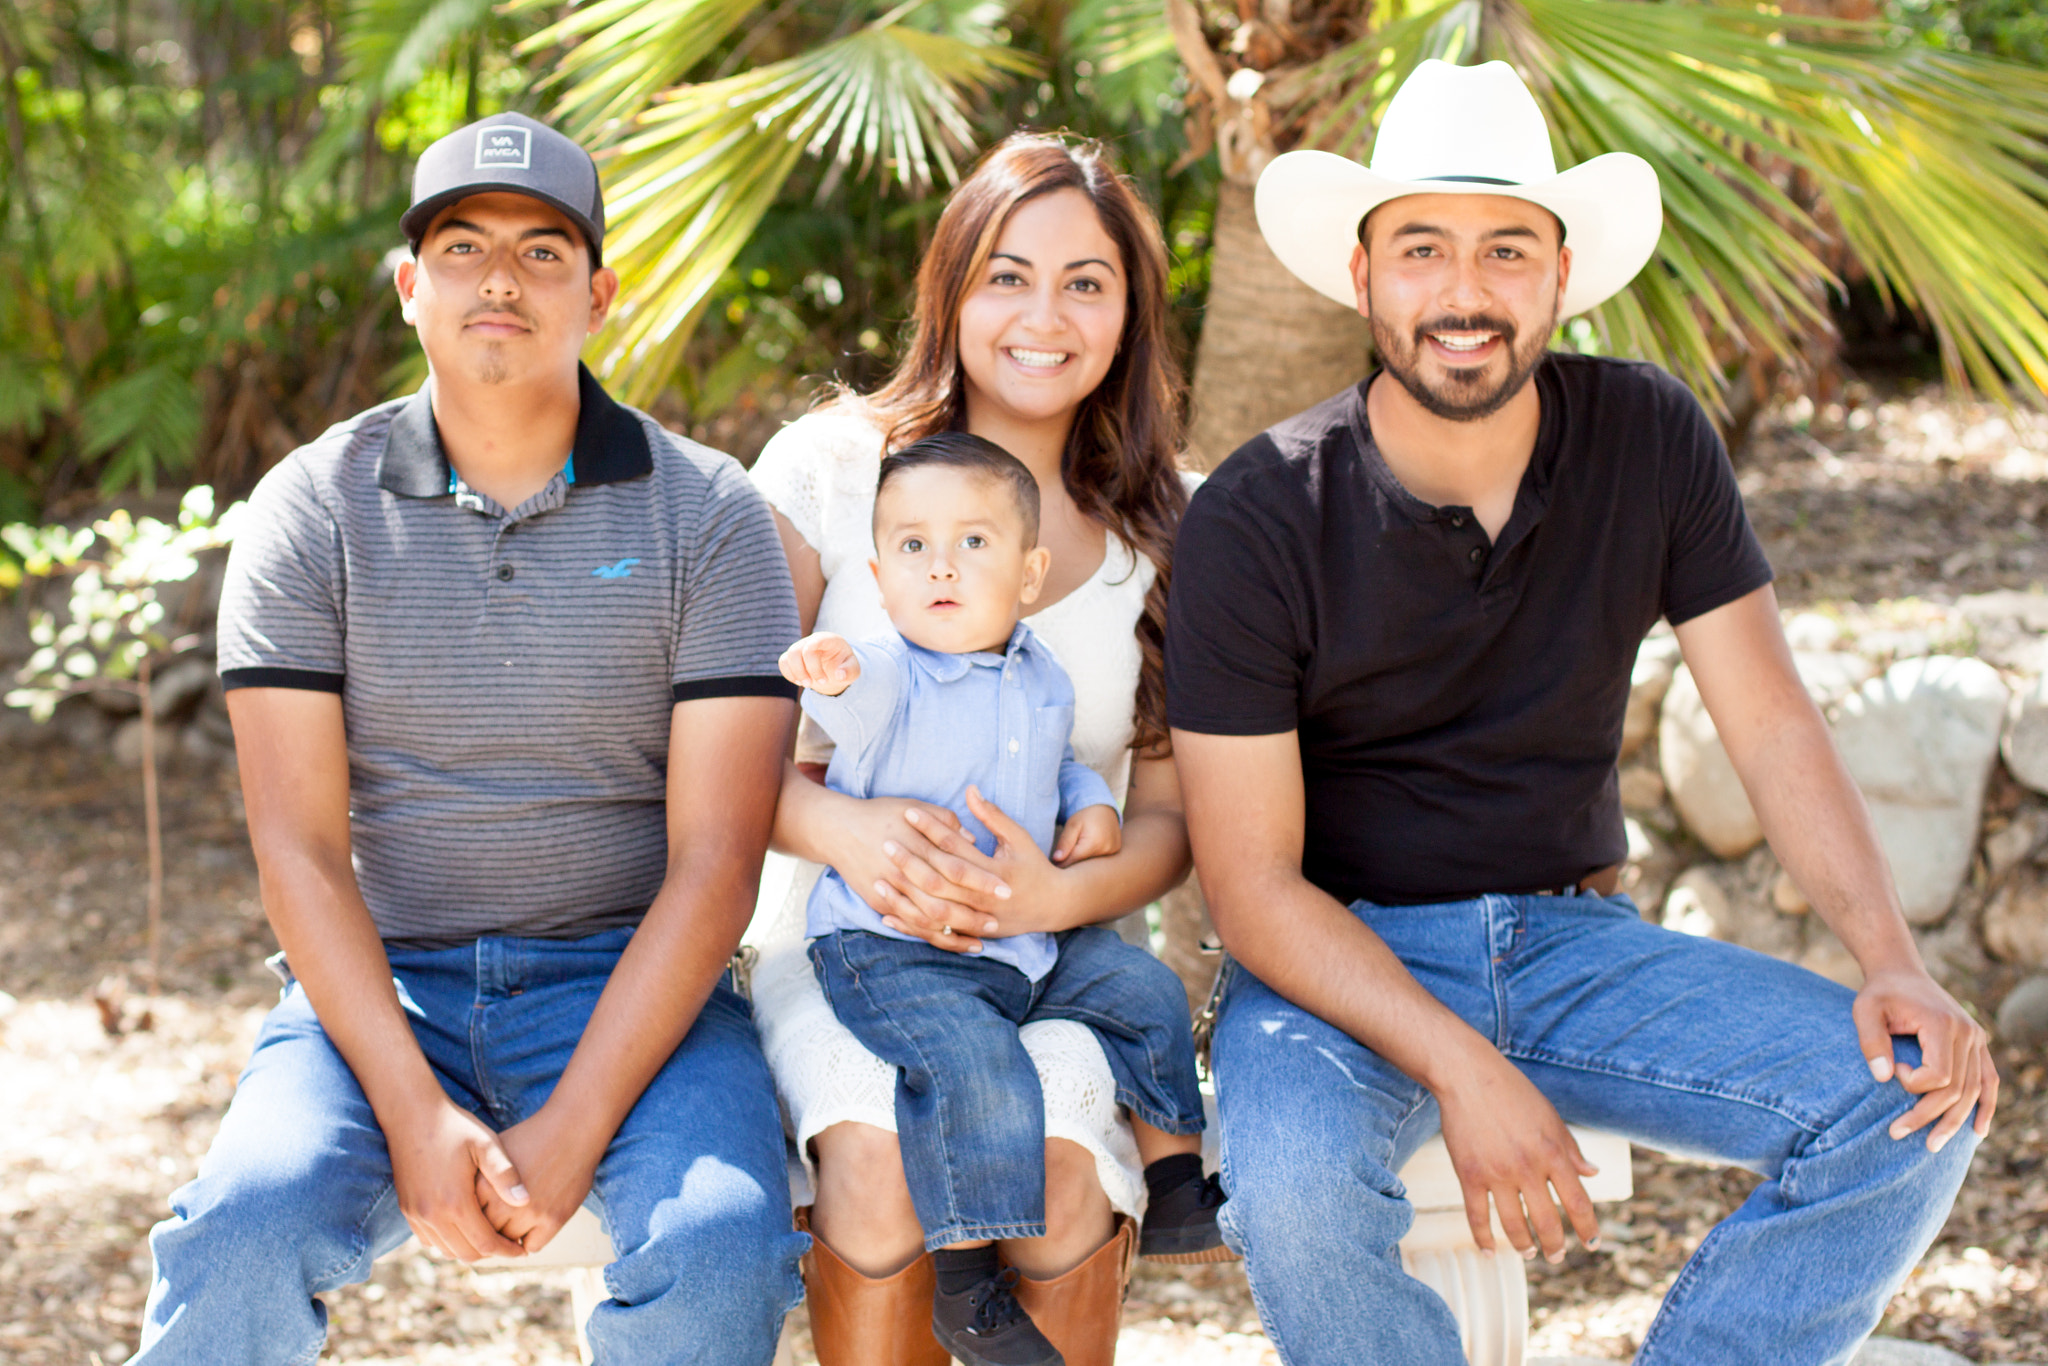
984,1325
1180,1224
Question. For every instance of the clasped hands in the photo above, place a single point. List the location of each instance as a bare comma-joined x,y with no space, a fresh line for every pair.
472,1193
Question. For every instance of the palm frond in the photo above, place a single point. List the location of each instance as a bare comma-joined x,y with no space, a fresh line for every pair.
1927,162
390,44
623,53
688,186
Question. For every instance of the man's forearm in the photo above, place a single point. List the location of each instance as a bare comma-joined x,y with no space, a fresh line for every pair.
1305,945
802,810
1820,828
654,995
334,951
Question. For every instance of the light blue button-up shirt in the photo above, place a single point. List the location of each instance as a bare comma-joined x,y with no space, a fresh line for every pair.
921,724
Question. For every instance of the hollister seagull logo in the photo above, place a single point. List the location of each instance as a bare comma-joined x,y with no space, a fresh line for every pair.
622,570
504,146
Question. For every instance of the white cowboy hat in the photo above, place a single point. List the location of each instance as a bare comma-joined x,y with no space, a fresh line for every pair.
1462,130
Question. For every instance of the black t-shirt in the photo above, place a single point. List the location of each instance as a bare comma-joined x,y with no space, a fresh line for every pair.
1459,703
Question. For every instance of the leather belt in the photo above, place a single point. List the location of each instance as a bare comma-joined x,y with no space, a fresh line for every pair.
1601,882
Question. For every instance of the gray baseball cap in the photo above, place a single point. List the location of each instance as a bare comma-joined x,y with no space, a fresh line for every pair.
508,152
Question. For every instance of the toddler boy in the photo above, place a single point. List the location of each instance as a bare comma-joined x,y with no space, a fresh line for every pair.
965,699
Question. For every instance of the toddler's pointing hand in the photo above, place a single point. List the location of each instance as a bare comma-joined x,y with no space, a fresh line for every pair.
824,663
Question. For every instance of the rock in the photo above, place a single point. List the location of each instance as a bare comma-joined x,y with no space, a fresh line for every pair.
1656,661
127,743
1920,741
18,730
2008,625
200,747
116,701
2023,1014
1651,864
1698,906
1642,788
2019,837
1954,954
2025,744
1703,784
1786,896
1719,902
1827,956
83,726
2016,922
1902,644
1830,675
1812,631
212,716
180,687
1900,1352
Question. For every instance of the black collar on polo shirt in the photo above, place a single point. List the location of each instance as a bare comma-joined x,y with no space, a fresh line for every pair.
611,445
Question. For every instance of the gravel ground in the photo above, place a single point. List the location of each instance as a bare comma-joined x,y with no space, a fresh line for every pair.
1862,504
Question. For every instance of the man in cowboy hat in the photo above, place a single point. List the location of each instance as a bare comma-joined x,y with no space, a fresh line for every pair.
1402,627
501,661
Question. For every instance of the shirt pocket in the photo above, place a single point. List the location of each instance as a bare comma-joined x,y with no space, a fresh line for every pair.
1051,728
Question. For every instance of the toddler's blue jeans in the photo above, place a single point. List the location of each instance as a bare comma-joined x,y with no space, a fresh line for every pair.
969,1112
295,1196
1682,1044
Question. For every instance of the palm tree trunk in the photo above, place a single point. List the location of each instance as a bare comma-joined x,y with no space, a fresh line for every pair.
1271,346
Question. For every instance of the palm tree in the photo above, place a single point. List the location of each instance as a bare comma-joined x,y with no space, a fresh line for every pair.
1794,149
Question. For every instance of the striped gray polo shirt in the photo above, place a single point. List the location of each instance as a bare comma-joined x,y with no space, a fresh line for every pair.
506,677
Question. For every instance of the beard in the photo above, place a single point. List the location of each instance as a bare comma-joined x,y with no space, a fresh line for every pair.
1464,395
493,366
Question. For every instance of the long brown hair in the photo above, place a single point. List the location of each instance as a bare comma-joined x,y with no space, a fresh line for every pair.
1120,465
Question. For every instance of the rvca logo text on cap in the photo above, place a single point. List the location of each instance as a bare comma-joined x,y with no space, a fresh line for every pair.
504,145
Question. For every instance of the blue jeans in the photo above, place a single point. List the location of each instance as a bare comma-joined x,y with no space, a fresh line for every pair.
969,1111
1682,1044
295,1197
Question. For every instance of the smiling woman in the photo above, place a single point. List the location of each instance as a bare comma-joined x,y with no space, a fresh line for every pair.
1040,325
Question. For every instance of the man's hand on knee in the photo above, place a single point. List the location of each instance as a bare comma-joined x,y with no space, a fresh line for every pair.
558,1167
439,1160
1507,1143
1956,1073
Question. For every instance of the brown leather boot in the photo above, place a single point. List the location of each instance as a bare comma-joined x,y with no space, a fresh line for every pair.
1082,1311
861,1320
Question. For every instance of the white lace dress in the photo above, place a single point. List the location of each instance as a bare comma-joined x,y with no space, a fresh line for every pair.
820,472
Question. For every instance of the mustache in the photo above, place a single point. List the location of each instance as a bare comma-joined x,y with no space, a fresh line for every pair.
504,310
1467,322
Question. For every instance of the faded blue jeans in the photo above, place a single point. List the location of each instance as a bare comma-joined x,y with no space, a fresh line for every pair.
295,1196
969,1109
1684,1045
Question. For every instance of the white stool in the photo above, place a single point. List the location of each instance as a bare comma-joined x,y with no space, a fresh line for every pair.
1488,1292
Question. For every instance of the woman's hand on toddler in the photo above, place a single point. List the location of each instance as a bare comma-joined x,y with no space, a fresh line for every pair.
1091,832
824,663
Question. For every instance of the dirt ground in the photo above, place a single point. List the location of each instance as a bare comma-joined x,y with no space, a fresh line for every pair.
1858,505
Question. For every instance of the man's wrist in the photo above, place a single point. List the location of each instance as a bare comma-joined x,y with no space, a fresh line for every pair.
1458,1058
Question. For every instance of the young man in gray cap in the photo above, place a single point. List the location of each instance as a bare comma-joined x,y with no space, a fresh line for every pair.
502,670
1400,639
